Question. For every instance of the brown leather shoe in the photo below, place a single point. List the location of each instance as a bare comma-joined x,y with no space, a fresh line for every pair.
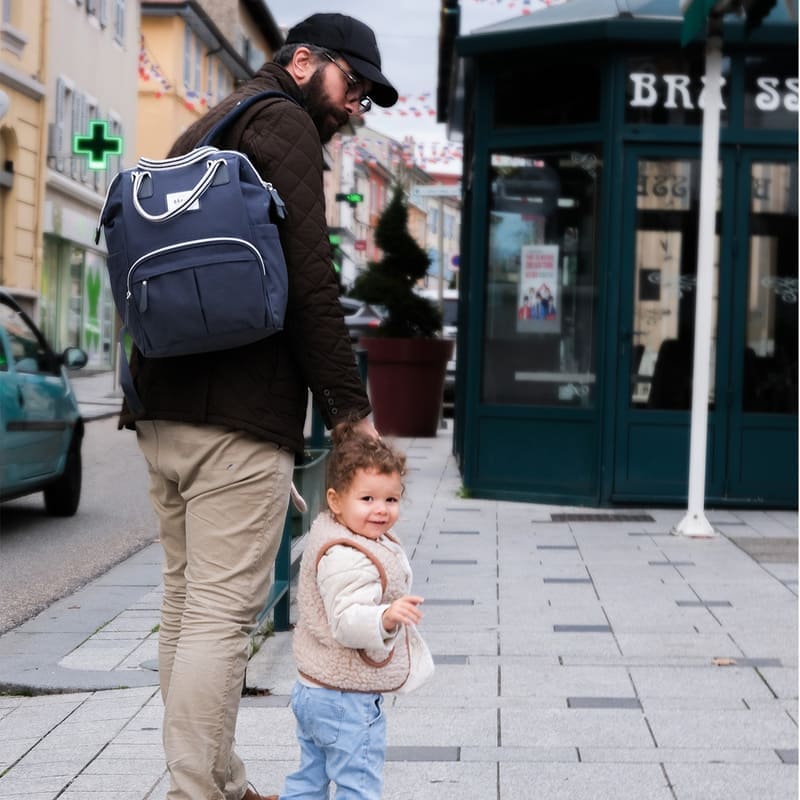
252,794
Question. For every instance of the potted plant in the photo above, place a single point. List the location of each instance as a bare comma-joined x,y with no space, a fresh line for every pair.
406,359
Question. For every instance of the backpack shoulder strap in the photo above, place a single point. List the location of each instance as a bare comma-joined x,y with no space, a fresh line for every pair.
236,112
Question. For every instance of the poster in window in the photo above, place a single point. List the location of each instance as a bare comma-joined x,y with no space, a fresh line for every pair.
538,302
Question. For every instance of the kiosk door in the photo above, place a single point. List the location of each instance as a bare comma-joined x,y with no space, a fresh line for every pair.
752,426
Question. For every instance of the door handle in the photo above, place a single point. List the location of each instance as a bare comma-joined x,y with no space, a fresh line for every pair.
20,397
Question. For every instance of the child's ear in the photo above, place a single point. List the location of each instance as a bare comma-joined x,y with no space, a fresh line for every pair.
333,501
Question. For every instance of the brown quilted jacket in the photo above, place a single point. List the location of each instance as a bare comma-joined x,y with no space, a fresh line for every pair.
262,387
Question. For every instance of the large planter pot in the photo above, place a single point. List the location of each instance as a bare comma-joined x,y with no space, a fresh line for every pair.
405,379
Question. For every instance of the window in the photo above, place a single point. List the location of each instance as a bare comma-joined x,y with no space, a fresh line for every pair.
542,286
6,11
60,144
770,352
573,98
187,56
222,82
209,80
770,94
119,20
198,65
78,116
103,15
665,282
26,349
667,89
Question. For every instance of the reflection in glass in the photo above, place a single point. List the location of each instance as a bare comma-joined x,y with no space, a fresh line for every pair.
665,278
541,292
770,354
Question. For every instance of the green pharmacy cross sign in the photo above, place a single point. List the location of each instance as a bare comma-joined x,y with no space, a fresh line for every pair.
98,145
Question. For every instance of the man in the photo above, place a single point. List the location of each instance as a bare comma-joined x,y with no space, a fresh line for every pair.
221,431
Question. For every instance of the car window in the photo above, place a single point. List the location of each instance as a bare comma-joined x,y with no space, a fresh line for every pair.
27,351
450,312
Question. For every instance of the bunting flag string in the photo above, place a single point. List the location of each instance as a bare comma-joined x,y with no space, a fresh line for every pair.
365,149
523,6
150,70
412,105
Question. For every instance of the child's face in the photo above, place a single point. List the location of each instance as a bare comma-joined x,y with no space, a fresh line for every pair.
370,505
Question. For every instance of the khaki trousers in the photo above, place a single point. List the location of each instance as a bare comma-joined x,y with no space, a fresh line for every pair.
221,497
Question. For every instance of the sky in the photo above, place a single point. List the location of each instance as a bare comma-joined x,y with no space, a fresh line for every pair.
408,39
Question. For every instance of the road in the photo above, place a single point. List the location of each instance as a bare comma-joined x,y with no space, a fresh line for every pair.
45,558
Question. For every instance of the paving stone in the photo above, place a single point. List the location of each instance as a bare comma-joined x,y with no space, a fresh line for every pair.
584,782
573,728
732,781
712,681
724,729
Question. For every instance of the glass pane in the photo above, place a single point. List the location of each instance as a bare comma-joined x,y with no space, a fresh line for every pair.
667,89
570,96
770,355
541,292
665,277
770,92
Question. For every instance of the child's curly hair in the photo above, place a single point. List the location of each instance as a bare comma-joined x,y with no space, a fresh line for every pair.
353,451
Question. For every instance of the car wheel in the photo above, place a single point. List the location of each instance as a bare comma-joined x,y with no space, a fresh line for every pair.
62,497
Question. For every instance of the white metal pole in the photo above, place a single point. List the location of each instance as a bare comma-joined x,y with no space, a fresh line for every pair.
694,522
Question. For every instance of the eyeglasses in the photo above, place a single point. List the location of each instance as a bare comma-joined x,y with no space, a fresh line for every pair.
353,86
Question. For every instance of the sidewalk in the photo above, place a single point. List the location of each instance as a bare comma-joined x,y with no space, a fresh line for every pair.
581,654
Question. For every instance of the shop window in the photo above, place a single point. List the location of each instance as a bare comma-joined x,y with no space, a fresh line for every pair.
541,291
665,279
568,95
770,93
667,89
769,383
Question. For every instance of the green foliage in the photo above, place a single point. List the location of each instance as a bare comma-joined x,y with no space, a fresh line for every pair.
390,282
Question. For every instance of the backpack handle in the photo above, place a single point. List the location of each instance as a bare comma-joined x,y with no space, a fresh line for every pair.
195,194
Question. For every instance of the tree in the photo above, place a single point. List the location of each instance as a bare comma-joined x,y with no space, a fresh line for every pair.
390,282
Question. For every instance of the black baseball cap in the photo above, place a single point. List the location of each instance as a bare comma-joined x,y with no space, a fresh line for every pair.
352,39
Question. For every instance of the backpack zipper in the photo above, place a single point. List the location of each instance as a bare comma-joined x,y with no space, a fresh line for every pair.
192,243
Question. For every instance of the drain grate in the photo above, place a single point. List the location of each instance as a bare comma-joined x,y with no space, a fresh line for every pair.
601,518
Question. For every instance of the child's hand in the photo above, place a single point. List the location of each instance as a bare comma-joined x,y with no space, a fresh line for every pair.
404,611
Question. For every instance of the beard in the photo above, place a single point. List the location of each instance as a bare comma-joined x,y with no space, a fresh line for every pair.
327,118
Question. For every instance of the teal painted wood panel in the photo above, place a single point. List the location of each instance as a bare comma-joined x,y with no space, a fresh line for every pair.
538,456
768,463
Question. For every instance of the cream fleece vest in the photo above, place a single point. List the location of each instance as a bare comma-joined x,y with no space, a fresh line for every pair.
318,655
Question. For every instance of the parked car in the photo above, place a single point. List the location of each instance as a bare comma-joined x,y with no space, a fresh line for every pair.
361,318
40,425
449,331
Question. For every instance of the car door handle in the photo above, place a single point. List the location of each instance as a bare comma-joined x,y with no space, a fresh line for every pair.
20,397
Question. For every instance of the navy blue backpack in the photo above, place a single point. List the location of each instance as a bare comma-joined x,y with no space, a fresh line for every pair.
194,258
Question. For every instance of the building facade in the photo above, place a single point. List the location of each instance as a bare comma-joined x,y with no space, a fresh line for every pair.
92,79
23,139
580,255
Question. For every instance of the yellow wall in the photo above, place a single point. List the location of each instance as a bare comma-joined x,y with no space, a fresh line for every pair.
22,139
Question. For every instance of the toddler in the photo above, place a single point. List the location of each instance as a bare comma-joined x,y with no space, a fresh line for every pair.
356,622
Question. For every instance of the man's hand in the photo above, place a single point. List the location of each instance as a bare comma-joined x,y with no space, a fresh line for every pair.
365,427
404,611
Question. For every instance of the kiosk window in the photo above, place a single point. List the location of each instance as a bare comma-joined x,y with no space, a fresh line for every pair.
770,93
541,292
769,384
571,97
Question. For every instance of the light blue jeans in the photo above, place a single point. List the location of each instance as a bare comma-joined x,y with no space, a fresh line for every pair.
342,738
